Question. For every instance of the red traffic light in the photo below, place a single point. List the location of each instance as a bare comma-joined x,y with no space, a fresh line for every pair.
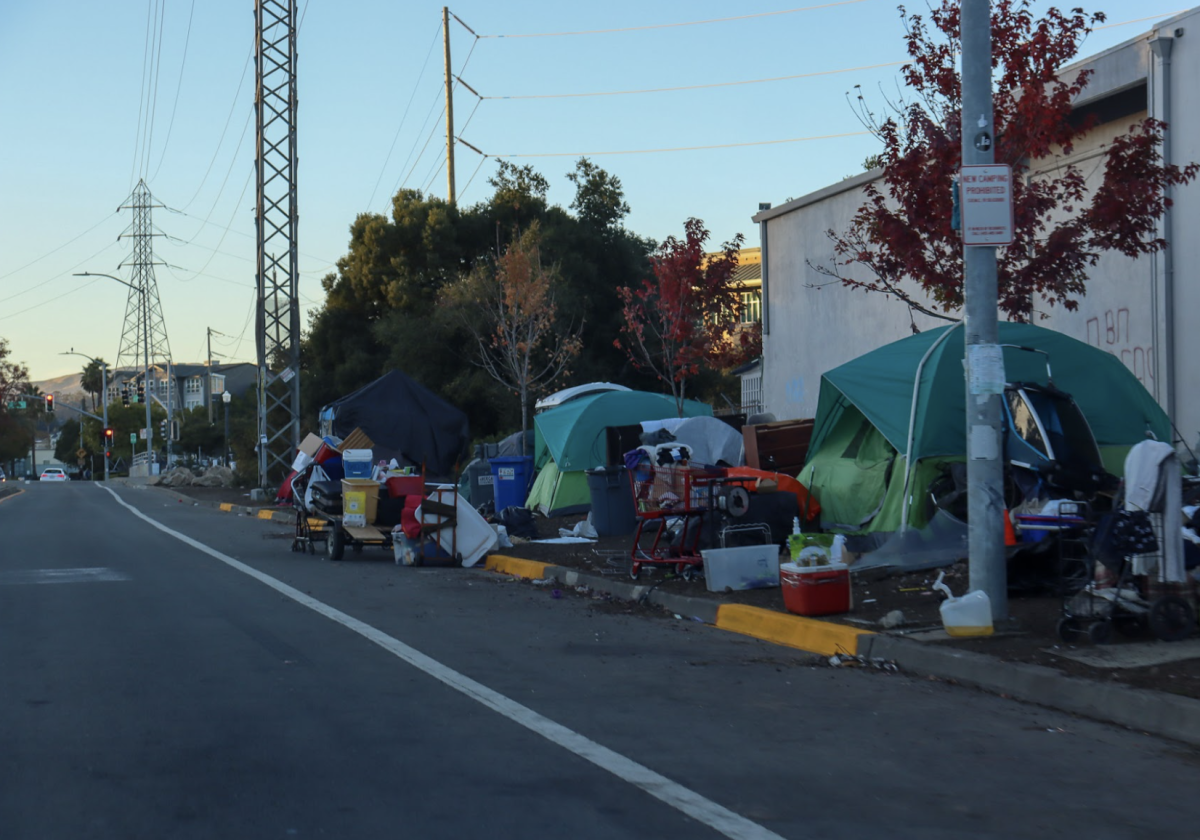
49,402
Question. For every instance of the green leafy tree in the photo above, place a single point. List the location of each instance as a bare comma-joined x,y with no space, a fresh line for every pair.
510,311
92,381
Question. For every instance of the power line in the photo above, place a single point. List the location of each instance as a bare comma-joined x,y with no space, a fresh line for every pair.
698,87
675,25
403,118
56,250
51,279
232,107
137,139
684,148
154,96
178,87
49,301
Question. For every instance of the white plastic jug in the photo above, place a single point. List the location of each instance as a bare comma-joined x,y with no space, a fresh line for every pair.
970,615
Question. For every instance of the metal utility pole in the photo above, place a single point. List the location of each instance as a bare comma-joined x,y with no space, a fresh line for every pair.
985,360
277,321
450,191
208,380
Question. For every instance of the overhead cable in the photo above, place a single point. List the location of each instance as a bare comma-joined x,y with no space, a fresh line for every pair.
404,117
697,87
684,148
178,87
675,25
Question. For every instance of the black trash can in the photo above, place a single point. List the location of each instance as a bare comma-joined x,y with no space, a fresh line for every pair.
480,489
613,513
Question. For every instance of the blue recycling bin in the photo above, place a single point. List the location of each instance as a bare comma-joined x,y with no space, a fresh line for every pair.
511,477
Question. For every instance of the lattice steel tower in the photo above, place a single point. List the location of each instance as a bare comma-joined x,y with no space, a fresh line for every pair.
277,323
144,336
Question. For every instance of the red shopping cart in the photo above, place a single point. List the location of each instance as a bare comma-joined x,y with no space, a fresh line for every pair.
673,500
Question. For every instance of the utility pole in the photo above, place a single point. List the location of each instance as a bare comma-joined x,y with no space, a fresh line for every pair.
208,380
984,357
277,319
451,196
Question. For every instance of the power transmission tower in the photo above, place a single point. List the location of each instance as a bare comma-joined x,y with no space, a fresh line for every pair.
144,335
277,322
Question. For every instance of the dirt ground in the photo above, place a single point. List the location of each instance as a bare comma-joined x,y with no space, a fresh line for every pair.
1029,636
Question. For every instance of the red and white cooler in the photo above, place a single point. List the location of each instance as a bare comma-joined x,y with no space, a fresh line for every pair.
816,590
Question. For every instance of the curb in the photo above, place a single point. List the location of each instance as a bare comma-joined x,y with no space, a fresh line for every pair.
268,513
1156,713
807,634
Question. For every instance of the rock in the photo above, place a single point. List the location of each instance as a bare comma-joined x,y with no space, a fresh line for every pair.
177,477
893,619
215,477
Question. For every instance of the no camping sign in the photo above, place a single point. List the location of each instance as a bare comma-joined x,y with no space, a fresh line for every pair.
987,213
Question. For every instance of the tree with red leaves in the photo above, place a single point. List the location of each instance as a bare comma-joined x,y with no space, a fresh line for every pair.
903,233
688,314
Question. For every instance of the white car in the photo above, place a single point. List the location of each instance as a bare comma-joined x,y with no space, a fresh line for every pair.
53,474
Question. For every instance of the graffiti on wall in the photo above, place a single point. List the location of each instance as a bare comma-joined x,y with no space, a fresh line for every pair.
1110,331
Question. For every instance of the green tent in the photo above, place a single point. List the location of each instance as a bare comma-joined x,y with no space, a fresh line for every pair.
572,438
909,397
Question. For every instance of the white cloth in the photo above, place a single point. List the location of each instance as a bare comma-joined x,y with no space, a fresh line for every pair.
1142,473
1153,482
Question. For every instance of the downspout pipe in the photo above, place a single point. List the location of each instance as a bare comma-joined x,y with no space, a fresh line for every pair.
912,422
1161,47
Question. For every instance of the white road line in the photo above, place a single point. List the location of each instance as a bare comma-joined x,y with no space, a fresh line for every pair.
703,810
35,576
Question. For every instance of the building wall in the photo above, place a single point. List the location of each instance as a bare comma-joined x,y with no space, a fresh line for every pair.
814,323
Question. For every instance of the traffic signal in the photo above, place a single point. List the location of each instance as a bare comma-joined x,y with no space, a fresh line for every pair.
162,427
108,437
124,394
141,391
175,430
50,403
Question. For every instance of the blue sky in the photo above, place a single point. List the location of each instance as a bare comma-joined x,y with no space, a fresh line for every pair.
84,112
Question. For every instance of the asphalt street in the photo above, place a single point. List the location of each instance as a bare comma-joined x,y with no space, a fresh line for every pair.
172,671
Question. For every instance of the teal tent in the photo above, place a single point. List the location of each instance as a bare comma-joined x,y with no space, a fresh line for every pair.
571,438
905,403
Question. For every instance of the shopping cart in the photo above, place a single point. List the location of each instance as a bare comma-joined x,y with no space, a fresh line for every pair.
673,501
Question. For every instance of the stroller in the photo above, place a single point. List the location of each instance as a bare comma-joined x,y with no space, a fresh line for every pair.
1113,599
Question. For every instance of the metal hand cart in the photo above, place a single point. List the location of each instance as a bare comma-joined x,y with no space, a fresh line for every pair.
673,500
1119,602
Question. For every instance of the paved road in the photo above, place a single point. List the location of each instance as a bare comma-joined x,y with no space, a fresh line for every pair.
170,671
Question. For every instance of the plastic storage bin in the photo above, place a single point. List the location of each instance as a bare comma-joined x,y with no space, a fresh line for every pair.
357,463
511,478
815,590
743,567
613,513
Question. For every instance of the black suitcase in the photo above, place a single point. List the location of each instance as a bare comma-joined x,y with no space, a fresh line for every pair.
327,497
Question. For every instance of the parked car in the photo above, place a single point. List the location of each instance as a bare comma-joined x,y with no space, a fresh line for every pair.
53,474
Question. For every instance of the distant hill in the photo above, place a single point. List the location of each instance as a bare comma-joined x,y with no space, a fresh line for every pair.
66,389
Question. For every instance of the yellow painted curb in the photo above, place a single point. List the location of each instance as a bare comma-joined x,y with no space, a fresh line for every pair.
514,566
225,506
266,514
823,637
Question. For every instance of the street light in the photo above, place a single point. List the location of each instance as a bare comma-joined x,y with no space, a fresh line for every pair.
146,353
225,398
104,389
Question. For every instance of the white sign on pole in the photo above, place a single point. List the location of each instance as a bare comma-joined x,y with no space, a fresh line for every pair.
987,213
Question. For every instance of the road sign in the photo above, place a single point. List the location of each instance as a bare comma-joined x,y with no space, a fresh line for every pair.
142,434
81,453
987,214
133,437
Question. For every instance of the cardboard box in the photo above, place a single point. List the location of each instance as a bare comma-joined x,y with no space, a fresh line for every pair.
310,445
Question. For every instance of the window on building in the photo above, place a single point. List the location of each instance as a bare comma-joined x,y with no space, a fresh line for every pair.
751,307
218,383
193,385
